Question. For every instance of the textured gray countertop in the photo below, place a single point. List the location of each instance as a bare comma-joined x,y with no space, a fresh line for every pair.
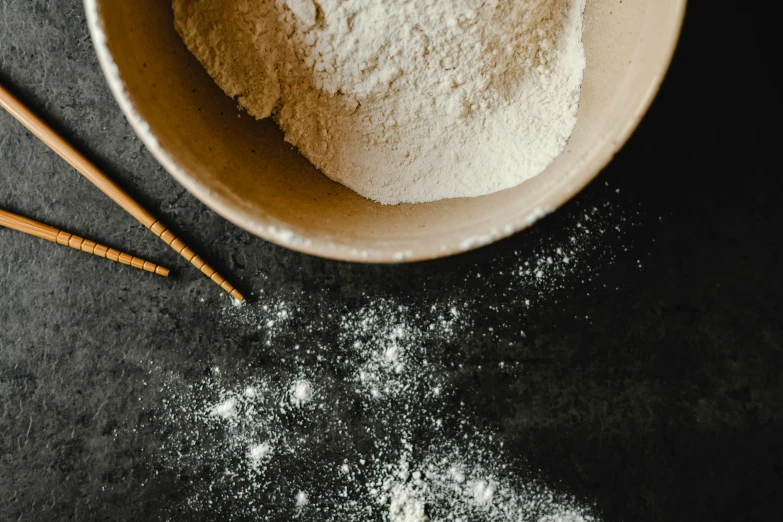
647,378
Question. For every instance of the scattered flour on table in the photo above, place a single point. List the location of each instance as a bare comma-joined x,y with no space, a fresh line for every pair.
302,499
259,452
332,469
301,392
270,318
402,100
361,416
226,409
385,346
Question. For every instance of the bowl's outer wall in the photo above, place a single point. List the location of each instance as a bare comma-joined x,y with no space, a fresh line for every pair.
243,169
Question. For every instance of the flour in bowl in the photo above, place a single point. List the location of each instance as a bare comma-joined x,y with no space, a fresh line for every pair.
403,101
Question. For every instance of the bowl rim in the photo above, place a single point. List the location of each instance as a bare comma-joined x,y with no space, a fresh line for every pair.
276,232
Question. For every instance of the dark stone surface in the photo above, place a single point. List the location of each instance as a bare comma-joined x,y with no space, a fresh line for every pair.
657,392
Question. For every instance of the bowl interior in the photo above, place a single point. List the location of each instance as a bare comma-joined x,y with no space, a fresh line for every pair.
244,170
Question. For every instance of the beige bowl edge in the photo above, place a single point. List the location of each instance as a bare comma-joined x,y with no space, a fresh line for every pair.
584,171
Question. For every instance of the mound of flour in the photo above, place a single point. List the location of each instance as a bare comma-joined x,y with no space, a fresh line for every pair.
402,100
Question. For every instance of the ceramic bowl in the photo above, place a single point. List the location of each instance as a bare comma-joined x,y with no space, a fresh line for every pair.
244,171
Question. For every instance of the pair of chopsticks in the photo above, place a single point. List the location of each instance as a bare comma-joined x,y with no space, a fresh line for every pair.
108,187
34,228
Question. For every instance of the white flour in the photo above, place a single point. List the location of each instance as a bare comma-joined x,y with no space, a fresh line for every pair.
259,452
301,499
402,100
226,409
365,420
301,392
454,472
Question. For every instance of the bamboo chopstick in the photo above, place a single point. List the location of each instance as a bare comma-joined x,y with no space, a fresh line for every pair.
35,125
34,228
